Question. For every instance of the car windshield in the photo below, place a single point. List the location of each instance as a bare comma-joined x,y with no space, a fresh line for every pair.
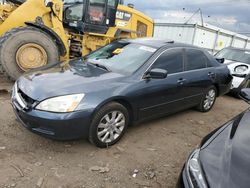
235,55
121,57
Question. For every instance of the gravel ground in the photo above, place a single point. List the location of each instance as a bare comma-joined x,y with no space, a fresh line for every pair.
153,151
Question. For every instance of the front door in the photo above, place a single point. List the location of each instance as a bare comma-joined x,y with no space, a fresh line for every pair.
163,96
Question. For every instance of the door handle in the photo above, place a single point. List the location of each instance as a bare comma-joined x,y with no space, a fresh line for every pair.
181,81
211,75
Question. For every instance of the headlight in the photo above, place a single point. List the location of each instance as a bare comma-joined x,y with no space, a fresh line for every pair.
61,104
194,171
14,90
241,69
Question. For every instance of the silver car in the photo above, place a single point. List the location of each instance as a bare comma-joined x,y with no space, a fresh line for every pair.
238,62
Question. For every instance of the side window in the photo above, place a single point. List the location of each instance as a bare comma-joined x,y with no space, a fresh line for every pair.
74,11
111,3
171,60
96,11
196,59
210,60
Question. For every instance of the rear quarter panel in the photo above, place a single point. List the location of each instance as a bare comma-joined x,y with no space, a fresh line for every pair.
224,79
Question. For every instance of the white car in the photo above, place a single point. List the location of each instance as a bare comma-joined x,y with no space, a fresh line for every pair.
238,62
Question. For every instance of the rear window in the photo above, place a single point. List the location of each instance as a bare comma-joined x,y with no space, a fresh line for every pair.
196,59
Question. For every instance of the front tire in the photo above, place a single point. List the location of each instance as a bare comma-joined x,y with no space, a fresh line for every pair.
26,48
208,100
109,125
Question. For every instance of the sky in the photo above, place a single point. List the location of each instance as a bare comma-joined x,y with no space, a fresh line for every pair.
233,15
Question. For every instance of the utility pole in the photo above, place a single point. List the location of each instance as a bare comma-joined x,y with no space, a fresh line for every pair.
201,15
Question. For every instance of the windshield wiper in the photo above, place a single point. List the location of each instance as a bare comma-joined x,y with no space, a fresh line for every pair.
102,66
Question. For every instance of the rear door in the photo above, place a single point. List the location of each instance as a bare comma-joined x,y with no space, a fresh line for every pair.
200,75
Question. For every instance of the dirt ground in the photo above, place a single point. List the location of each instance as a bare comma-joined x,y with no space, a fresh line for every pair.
155,150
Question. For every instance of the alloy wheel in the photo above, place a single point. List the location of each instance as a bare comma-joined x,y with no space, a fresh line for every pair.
209,99
111,126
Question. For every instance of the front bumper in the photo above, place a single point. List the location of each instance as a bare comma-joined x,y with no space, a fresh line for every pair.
56,126
239,83
182,180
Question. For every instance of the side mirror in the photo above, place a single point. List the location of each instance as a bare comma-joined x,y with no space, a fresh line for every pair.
245,95
156,74
220,60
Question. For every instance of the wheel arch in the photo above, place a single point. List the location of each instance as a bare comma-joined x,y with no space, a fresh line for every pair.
124,102
61,47
216,85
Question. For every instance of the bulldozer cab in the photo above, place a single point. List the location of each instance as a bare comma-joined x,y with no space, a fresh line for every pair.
90,15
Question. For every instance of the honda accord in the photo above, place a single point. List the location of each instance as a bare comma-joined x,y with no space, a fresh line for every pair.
99,95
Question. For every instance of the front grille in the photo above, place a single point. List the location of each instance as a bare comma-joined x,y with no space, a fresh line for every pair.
26,98
21,100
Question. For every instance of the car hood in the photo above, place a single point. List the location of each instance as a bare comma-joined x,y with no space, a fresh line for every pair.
71,77
225,157
233,64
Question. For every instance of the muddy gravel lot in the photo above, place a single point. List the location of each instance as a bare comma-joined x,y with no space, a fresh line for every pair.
155,151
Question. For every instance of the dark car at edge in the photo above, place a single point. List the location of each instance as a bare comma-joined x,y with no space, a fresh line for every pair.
222,159
99,95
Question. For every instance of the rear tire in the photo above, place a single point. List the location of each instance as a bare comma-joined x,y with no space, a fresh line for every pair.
103,133
35,49
208,100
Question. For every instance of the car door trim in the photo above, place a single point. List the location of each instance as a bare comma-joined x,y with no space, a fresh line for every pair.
162,104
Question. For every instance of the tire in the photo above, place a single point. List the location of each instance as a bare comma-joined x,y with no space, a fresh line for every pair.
103,127
14,40
202,107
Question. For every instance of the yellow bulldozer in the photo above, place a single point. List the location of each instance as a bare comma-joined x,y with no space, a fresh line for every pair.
34,33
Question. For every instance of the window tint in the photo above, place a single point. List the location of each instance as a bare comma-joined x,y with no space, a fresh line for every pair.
211,61
196,59
96,11
111,3
171,60
75,12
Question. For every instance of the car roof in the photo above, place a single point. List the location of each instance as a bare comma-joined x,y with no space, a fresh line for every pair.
239,49
158,43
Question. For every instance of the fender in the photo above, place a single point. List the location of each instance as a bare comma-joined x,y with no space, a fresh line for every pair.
50,32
